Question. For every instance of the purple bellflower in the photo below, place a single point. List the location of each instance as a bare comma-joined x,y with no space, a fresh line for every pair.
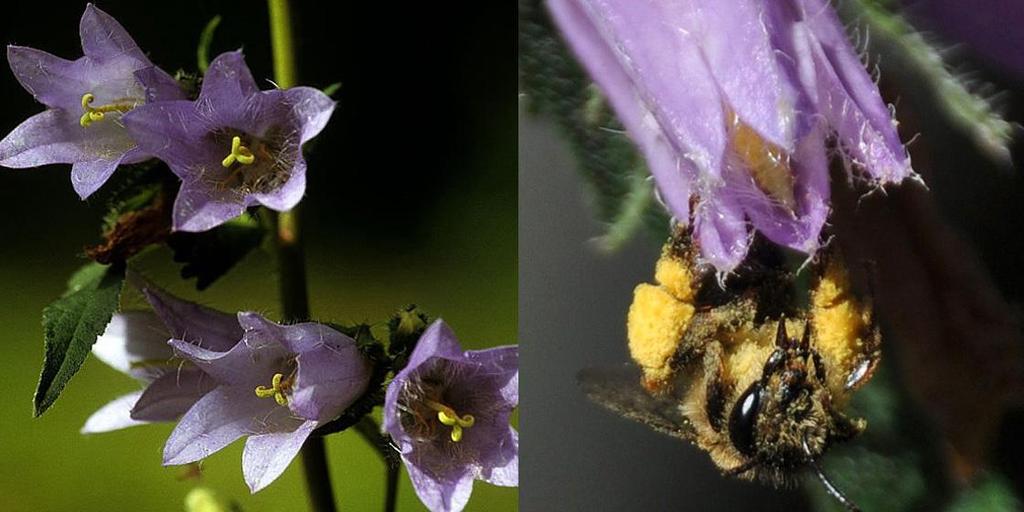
85,101
733,104
276,385
235,146
136,343
448,413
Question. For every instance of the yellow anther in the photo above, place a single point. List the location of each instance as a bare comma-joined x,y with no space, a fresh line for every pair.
93,114
277,390
239,153
448,417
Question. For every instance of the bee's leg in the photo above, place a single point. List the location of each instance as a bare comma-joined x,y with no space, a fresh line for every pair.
717,388
845,428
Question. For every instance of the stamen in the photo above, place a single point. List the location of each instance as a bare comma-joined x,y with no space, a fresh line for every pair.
239,153
279,386
448,417
767,163
93,114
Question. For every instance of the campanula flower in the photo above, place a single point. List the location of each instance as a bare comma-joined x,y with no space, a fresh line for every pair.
136,343
448,413
733,104
235,146
85,100
276,385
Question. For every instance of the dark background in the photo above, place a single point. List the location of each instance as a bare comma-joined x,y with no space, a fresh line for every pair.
411,198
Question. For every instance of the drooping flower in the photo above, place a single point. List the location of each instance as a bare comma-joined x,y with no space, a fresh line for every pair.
235,146
136,343
733,104
85,101
448,413
276,386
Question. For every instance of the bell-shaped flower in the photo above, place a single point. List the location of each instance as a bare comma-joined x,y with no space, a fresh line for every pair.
276,386
733,104
448,413
235,146
136,343
85,100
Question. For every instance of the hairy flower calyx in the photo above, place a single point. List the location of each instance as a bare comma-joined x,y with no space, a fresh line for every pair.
93,114
279,386
448,417
239,153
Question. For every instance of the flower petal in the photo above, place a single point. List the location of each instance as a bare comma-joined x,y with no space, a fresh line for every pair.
171,130
311,108
799,229
500,364
438,340
201,206
50,137
87,177
159,85
672,173
506,475
755,86
249,363
53,81
722,232
103,38
266,456
657,57
227,85
850,100
441,495
196,324
332,371
113,416
215,421
168,397
132,337
288,195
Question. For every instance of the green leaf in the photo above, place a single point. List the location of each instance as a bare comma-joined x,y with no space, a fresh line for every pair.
205,40
210,254
71,325
331,89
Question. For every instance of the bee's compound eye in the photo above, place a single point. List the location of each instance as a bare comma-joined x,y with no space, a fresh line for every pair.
743,418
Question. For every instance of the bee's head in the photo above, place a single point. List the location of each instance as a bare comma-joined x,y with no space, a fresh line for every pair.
786,418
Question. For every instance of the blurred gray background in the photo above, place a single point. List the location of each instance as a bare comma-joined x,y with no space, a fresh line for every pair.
572,313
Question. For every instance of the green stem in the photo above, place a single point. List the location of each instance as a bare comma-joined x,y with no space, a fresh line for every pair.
281,39
291,262
370,431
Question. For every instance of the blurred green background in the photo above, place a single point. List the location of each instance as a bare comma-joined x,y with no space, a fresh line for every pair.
411,198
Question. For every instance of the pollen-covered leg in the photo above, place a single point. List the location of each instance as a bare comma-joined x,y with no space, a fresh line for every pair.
845,334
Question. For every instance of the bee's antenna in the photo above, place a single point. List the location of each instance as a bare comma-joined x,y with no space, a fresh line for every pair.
830,488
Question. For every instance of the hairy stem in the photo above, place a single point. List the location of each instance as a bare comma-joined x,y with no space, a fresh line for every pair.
291,262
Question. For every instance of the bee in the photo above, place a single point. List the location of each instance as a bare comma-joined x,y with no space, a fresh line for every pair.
747,373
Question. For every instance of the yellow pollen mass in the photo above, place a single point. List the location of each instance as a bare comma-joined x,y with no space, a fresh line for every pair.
279,386
841,322
768,164
672,273
239,153
448,417
655,326
93,114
